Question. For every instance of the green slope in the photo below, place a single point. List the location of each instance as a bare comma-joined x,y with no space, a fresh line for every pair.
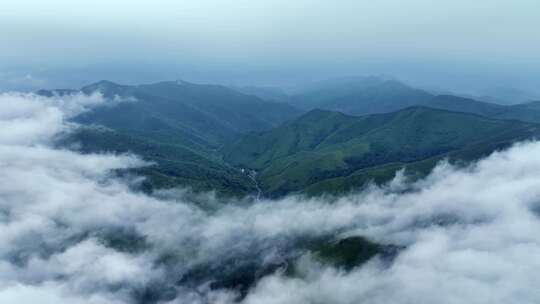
383,173
525,112
202,135
178,126
236,111
171,165
324,145
196,115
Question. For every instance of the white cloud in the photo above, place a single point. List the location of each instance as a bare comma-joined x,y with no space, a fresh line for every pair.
488,255
469,233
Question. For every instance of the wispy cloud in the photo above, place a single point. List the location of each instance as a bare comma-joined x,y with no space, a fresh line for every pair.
72,230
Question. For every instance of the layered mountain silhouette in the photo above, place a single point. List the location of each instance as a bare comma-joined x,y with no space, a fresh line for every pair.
177,125
329,137
372,95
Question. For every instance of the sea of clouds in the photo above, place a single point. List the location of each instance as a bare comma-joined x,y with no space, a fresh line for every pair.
468,234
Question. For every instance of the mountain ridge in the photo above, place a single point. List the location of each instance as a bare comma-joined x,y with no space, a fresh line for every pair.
372,95
291,157
205,135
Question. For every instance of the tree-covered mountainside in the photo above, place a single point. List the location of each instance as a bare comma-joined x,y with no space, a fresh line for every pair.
197,115
210,137
169,166
526,112
178,126
323,146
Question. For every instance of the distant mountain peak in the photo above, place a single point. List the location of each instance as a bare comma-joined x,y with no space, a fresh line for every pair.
103,83
106,87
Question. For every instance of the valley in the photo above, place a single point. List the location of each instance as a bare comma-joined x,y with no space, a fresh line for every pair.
210,137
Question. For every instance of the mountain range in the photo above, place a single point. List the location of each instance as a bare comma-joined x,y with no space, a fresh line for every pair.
372,95
321,146
177,125
329,137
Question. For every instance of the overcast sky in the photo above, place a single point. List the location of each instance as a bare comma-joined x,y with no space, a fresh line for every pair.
437,43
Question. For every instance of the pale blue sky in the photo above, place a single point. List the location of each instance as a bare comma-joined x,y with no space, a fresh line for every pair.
272,40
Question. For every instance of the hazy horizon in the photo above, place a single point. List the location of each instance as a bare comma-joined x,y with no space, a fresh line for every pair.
459,46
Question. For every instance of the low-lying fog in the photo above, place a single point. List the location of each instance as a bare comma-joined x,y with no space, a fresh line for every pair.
72,231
